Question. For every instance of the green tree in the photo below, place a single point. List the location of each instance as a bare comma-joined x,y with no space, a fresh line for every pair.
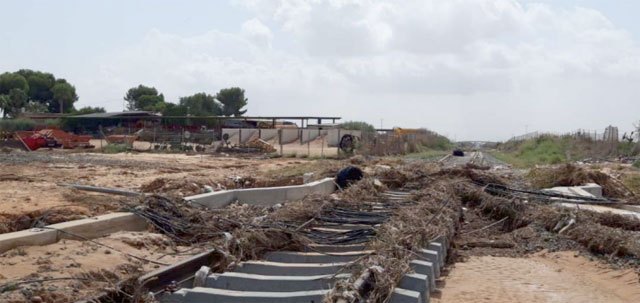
172,109
11,85
144,98
64,95
35,107
233,100
40,85
9,81
4,102
89,110
13,102
201,104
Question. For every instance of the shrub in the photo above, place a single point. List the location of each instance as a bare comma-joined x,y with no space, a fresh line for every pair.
115,148
11,125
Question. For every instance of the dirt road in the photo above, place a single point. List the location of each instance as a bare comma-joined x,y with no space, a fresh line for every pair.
478,158
545,277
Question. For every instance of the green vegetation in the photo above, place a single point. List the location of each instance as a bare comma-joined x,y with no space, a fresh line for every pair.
11,125
144,98
201,104
115,148
233,100
636,163
35,91
542,150
228,102
89,110
559,149
358,125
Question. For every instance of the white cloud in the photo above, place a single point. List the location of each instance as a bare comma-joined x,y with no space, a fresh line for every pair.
478,69
257,32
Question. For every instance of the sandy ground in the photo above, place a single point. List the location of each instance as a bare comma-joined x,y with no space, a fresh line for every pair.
82,260
29,181
544,277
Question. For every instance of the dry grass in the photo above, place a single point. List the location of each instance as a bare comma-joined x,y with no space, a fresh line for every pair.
606,240
410,228
571,175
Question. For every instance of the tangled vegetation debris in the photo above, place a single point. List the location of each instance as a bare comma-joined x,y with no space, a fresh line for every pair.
572,175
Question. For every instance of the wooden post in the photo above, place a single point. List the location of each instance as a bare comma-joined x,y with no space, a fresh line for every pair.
280,140
308,143
322,147
339,141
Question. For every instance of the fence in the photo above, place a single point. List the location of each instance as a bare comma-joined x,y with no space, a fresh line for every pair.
286,141
610,134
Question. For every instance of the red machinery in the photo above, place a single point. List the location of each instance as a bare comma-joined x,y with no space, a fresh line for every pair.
51,138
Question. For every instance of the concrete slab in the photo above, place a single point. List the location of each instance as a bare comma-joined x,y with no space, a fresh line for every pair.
425,268
208,295
433,257
266,196
30,237
440,249
602,209
416,282
334,248
401,295
252,282
86,228
314,257
593,188
100,226
289,269
577,191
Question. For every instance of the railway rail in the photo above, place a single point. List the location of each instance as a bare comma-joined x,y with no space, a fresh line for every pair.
339,237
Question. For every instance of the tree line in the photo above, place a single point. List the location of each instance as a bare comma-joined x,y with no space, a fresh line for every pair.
227,102
36,92
40,92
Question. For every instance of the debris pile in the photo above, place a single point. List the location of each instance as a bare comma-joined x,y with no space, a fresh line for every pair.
261,145
572,175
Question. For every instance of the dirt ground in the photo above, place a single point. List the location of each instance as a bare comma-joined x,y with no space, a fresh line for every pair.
82,266
29,181
544,277
533,263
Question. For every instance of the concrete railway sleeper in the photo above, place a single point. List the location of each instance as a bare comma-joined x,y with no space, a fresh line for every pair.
339,238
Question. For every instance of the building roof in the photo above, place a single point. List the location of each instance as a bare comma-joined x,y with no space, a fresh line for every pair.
119,114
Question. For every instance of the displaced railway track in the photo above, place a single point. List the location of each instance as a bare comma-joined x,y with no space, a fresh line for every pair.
338,238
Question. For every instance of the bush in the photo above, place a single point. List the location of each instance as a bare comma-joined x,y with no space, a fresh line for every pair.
636,164
358,125
115,148
11,125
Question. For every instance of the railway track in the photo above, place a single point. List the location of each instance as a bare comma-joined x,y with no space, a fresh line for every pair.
339,238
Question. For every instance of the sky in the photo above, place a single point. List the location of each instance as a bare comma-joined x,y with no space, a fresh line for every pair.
468,69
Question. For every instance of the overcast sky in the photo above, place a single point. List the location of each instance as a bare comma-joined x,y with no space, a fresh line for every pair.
469,69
